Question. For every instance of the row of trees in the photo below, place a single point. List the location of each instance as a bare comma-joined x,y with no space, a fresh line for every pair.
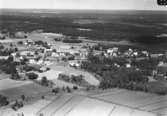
72,41
79,80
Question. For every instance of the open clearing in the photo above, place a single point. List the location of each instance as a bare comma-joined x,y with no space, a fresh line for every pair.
53,76
14,89
9,83
68,70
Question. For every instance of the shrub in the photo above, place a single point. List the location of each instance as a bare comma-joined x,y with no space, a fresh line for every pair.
56,90
32,76
20,42
72,41
3,101
44,81
75,87
68,89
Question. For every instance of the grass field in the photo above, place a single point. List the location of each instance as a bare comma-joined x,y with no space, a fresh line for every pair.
14,89
68,70
4,76
9,83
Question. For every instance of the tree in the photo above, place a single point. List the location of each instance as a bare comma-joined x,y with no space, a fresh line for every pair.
75,87
56,90
20,42
68,89
23,97
44,81
10,58
32,76
3,101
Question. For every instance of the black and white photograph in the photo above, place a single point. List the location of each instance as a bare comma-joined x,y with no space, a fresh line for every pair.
83,57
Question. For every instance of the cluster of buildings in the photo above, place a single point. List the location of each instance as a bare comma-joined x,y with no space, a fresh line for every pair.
137,55
46,53
36,54
116,52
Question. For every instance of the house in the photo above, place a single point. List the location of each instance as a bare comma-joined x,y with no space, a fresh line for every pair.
112,51
37,62
32,61
29,42
145,53
54,54
47,63
27,53
135,53
162,68
156,55
116,65
74,63
128,65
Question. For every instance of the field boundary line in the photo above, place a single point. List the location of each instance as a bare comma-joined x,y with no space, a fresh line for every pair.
158,108
68,100
112,110
72,108
108,94
51,102
152,103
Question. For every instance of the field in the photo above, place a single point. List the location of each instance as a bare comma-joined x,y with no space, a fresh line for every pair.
14,89
135,100
68,70
112,102
78,105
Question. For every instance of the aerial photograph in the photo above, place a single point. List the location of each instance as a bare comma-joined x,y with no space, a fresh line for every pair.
83,57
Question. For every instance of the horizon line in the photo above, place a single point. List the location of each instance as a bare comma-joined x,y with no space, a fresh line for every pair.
83,9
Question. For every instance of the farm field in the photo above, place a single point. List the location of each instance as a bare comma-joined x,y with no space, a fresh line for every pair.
14,89
55,105
78,105
91,107
134,100
74,104
9,83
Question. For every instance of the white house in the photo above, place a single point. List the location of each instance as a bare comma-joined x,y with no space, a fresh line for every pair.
128,65
74,64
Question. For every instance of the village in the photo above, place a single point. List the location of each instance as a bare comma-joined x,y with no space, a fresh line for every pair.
38,65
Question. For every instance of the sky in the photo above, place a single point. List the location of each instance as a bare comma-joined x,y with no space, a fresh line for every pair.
83,4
